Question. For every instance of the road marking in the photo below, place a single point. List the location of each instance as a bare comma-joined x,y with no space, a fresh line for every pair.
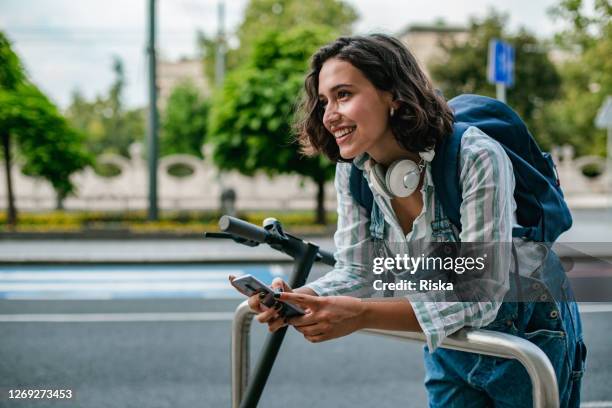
117,275
595,307
164,286
596,404
126,281
196,316
118,317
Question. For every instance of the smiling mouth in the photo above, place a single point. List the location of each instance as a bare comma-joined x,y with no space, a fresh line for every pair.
345,134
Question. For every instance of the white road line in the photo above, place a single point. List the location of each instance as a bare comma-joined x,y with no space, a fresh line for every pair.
595,307
117,275
165,286
596,404
195,316
118,317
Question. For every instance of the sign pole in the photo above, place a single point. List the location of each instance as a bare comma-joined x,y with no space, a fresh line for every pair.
609,166
500,91
603,120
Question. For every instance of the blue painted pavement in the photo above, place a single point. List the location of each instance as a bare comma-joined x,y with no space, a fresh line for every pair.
127,281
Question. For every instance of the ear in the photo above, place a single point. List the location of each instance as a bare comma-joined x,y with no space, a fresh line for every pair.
392,100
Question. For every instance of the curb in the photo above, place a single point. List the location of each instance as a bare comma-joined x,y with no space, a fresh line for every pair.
129,235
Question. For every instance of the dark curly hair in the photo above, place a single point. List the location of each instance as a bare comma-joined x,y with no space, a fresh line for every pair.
423,117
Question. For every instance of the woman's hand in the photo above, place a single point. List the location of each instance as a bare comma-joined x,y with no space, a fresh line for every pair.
326,317
266,314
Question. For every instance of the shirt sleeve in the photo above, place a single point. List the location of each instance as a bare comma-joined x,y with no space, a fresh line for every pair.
487,211
354,249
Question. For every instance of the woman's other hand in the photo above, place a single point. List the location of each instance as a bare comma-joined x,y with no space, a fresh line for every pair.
326,317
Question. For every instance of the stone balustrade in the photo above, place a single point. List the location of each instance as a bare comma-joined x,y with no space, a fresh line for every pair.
201,190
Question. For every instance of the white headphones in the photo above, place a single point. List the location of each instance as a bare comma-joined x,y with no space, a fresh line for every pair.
401,178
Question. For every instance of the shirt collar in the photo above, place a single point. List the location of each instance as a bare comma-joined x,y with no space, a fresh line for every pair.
360,160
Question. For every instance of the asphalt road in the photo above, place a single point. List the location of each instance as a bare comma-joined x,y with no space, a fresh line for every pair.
173,351
185,363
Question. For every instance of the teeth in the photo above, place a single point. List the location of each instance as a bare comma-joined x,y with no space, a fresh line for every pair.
343,132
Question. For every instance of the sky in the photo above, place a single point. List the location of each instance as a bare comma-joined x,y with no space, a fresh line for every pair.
67,45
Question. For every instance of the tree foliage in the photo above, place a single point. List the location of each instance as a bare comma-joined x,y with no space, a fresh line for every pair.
11,71
586,74
47,145
109,127
184,121
250,120
280,15
464,70
50,148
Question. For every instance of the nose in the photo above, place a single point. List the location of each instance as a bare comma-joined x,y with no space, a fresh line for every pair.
331,115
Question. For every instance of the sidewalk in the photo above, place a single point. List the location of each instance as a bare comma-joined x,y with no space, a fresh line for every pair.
141,251
592,228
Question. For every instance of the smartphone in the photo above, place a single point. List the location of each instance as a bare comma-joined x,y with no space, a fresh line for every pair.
249,285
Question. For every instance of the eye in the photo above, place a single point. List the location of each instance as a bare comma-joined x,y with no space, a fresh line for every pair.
343,94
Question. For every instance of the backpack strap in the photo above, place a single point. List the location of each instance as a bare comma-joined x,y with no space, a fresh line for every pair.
445,173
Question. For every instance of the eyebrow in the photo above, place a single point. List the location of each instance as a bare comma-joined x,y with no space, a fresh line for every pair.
336,87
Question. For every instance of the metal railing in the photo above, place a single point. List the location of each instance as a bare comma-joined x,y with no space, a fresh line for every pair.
490,343
246,393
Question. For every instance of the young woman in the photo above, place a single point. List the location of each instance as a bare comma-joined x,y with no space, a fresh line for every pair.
368,103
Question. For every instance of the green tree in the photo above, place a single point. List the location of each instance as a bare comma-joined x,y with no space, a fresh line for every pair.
108,125
184,121
586,74
464,70
250,119
281,15
49,147
11,77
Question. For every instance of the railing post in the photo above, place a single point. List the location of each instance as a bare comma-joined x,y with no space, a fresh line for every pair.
543,379
535,361
241,326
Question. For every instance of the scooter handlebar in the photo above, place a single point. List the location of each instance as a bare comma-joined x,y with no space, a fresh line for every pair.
243,229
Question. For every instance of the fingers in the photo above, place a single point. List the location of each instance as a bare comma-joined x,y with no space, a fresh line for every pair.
299,299
317,338
255,304
278,283
314,329
266,316
276,324
306,320
270,314
316,333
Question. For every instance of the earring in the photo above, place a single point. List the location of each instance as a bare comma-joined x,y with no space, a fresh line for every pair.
392,112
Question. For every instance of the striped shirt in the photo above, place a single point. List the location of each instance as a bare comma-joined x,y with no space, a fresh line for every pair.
487,215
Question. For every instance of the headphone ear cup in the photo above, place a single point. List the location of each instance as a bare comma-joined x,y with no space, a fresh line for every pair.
377,179
402,178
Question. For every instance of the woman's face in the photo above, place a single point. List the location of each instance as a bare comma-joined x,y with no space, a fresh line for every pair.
356,112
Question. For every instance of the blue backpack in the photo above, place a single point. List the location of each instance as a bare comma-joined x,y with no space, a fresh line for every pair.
541,208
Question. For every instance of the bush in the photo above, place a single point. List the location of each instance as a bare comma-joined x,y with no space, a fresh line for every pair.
170,221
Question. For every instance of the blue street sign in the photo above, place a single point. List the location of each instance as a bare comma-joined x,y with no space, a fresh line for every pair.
501,63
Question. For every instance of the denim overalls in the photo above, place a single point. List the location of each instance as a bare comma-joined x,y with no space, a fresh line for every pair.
548,317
